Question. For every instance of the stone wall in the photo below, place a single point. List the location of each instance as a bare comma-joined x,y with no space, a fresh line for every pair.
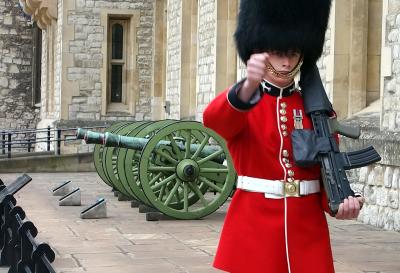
86,50
323,63
174,52
206,54
16,110
379,182
391,94
58,59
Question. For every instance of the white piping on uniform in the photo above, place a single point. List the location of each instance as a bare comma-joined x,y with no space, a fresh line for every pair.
285,177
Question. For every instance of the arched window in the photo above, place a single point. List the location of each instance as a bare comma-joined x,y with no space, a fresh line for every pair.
117,61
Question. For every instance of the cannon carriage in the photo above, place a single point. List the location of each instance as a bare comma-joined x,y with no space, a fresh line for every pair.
180,168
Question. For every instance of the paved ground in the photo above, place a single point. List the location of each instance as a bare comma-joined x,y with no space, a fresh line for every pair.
125,242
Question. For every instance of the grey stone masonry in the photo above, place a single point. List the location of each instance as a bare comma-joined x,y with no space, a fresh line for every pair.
206,54
391,93
86,50
322,62
379,183
16,111
174,57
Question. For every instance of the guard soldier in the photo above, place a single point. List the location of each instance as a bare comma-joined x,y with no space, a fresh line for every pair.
276,221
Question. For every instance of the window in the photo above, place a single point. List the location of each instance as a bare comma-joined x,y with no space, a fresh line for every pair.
120,88
36,65
117,67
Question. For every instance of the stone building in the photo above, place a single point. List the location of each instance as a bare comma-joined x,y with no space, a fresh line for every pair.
108,60
17,105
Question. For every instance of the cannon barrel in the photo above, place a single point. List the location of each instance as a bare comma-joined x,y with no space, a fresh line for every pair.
90,137
137,143
80,133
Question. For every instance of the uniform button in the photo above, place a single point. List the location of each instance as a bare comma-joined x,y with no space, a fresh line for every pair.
288,165
285,153
283,104
285,160
291,173
290,180
285,133
283,127
283,118
282,112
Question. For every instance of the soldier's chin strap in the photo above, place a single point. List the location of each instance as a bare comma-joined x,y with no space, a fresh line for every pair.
314,95
289,75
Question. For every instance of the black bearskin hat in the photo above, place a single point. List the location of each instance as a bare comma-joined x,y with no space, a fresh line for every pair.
282,25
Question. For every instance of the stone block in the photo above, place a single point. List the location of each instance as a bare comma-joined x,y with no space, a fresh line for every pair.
396,177
13,69
370,195
396,222
85,116
73,108
393,35
358,187
380,222
382,196
86,84
13,84
388,177
89,108
4,31
387,219
4,92
364,172
397,22
393,199
96,37
3,82
79,99
375,177
89,3
371,215
396,51
8,20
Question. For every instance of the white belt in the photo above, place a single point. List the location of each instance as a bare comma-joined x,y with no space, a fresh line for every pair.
278,189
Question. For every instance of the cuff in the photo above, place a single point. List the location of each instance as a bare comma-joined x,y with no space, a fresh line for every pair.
237,103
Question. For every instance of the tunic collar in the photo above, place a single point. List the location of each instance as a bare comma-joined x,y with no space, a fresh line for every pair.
273,90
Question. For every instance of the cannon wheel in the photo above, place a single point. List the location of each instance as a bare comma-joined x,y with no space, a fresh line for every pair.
128,160
110,159
186,173
98,153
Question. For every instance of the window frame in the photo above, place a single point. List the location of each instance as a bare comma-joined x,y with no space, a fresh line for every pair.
36,66
123,105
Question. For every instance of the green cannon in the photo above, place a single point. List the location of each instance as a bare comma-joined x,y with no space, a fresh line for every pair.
180,168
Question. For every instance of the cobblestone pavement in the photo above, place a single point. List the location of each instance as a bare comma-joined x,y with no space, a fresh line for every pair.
125,242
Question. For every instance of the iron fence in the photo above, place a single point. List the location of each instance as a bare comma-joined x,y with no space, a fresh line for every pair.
48,139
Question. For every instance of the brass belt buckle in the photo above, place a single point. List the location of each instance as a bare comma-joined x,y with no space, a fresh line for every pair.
292,189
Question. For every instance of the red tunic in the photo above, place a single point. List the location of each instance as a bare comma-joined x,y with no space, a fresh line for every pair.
253,236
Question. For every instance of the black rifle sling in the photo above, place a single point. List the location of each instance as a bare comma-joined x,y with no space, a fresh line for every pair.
314,95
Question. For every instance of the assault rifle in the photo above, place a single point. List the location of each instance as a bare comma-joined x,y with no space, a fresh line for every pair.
333,162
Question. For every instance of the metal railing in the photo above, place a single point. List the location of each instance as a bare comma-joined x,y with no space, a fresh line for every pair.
18,247
32,140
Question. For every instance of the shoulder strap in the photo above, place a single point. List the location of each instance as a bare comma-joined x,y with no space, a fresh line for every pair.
313,92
